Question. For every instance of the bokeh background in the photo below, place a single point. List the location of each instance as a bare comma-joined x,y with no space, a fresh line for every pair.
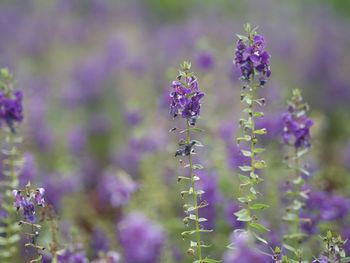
96,76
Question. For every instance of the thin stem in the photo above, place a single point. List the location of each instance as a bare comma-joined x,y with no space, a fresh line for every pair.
199,248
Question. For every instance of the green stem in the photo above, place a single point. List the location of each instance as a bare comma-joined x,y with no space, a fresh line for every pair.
298,188
195,204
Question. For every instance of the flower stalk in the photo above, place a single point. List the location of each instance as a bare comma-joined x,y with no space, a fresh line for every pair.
296,135
253,61
186,103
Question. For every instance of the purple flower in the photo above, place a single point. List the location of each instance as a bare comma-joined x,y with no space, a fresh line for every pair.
39,197
185,99
116,190
99,242
251,57
11,110
27,202
205,60
141,239
297,129
296,123
70,256
133,117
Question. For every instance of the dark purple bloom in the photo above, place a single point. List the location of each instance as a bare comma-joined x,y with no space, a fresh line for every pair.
28,201
11,110
205,60
185,99
70,256
251,57
141,239
99,242
28,210
296,129
39,197
133,117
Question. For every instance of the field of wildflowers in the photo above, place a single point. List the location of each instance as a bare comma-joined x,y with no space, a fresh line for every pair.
166,131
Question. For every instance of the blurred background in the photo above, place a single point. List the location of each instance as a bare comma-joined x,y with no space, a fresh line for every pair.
96,76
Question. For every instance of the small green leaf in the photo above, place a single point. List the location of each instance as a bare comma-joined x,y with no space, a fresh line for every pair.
259,206
259,227
245,168
260,131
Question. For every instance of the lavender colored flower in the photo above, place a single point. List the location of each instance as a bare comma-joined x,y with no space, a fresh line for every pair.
70,256
27,201
185,97
251,57
296,128
296,123
141,239
205,60
116,190
11,110
133,117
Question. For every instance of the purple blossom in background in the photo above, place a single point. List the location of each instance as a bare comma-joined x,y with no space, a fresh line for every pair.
115,189
99,242
234,155
141,239
229,209
251,57
11,109
76,140
133,117
209,184
244,251
29,169
205,60
70,256
185,99
328,206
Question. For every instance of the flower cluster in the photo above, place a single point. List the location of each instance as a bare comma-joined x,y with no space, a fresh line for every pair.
186,96
116,190
140,238
27,200
251,57
11,110
296,124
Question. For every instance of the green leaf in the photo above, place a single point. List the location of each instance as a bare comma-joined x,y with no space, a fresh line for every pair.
260,131
244,179
246,153
259,206
243,215
245,168
260,239
259,227
259,150
259,164
197,166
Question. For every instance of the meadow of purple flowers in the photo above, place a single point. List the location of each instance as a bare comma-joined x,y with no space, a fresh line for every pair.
111,152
